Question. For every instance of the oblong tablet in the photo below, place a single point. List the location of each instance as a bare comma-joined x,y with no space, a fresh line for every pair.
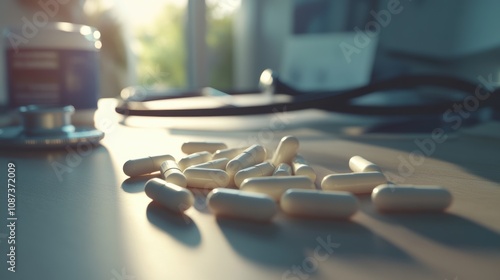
206,178
219,163
359,183
275,186
321,204
286,150
302,168
241,205
141,166
259,170
359,164
195,147
172,174
228,153
194,159
255,154
283,170
171,196
410,198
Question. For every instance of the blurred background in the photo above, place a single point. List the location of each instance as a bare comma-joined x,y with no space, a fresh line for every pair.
227,43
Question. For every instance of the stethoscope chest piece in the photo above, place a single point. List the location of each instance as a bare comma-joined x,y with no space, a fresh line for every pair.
47,127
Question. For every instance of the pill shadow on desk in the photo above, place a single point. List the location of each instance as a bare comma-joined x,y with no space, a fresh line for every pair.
260,242
353,239
250,228
443,227
179,226
200,199
287,242
136,184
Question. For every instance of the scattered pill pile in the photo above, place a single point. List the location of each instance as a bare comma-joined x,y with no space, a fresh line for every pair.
246,184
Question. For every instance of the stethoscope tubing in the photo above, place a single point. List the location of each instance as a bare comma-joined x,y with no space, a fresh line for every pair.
336,101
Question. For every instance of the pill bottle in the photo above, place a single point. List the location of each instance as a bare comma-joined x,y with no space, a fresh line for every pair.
52,64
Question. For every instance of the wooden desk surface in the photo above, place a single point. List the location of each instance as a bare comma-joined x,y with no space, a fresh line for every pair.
80,217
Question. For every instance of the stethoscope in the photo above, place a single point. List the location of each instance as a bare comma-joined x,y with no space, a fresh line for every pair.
50,126
333,101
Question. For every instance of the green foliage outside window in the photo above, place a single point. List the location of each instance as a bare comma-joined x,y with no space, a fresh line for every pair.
161,49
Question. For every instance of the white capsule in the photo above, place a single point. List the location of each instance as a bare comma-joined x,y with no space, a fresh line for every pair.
286,151
195,147
283,170
228,153
171,196
172,174
141,166
410,198
194,159
302,168
241,205
321,204
275,186
359,183
255,154
206,178
359,164
213,164
259,170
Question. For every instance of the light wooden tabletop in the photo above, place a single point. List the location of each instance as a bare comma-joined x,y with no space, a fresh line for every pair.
80,217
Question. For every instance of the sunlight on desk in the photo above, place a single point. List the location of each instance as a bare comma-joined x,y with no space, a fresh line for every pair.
409,246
